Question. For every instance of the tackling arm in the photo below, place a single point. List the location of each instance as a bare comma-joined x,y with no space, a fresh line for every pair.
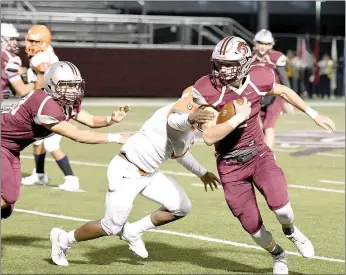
92,121
70,131
191,164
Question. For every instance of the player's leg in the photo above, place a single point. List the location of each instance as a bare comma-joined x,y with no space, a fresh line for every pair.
271,182
272,114
10,182
124,184
241,199
52,145
175,205
38,175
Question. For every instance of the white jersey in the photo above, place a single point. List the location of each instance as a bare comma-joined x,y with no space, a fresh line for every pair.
159,140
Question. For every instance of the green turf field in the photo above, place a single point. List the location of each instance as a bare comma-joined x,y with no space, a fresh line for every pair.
210,240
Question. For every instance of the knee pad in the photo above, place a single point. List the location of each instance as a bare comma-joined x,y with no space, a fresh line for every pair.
110,228
38,142
183,209
264,239
52,143
285,214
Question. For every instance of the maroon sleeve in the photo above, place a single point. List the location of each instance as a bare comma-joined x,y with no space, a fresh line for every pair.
201,83
263,78
50,112
278,58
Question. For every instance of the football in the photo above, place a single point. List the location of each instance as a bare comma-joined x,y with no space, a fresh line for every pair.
227,111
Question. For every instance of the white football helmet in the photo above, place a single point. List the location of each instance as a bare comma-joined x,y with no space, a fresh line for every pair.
264,36
231,60
264,41
9,36
64,83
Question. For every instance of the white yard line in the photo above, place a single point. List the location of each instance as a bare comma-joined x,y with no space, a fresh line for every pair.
169,232
300,187
95,164
333,182
331,155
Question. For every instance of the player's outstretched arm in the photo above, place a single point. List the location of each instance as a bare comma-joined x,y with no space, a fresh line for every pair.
293,98
70,131
213,132
192,165
92,121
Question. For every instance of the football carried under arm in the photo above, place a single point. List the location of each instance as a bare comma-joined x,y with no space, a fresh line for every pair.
231,116
93,121
293,98
70,131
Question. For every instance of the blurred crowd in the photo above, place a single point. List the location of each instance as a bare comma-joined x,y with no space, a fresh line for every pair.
322,78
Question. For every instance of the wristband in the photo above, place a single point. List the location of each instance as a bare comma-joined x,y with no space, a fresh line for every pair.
114,138
311,112
236,120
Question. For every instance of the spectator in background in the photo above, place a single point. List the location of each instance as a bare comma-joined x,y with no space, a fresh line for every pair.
326,69
291,69
341,77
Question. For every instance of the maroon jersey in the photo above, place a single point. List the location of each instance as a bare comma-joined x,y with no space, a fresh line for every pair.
259,81
23,124
6,78
271,60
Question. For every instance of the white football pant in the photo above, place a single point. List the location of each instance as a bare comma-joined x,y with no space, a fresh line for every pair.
125,183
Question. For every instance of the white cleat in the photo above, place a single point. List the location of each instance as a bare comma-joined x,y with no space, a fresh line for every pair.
280,264
58,251
302,243
71,184
35,179
135,241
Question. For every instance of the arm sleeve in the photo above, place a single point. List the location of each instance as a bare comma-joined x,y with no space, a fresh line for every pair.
178,117
281,71
191,164
179,121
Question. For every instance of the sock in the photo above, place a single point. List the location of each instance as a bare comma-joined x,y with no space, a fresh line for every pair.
65,166
288,229
143,225
67,239
39,160
277,250
70,238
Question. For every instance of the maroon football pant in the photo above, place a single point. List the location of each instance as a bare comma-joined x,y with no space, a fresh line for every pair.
238,181
11,177
270,115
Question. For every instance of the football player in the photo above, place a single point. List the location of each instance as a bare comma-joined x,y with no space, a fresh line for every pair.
244,161
168,134
42,56
11,63
40,114
271,106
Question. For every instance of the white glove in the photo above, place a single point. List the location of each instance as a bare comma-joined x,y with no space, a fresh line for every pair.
40,62
31,76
